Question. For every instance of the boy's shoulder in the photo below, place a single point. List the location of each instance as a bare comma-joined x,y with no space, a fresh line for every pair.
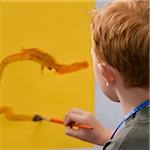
135,134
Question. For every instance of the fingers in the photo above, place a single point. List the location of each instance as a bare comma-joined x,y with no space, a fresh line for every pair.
78,116
71,132
70,117
76,110
77,133
74,118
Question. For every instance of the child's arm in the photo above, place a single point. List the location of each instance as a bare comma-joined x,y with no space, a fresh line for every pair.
98,135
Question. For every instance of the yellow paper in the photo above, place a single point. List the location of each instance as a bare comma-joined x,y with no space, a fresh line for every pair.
62,29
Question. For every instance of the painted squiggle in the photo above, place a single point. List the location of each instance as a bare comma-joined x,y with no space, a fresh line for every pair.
45,60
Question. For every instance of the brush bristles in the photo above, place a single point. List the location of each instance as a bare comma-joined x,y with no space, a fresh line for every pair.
37,118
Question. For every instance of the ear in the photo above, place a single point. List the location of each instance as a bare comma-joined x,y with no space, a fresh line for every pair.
107,73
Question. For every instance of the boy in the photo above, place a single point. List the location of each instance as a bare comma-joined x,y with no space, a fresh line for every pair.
120,52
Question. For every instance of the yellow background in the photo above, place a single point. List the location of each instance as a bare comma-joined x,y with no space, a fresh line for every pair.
62,29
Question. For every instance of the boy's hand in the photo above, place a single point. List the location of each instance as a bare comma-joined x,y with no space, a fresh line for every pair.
98,135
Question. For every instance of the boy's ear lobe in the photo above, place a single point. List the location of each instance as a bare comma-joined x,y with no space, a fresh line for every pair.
106,73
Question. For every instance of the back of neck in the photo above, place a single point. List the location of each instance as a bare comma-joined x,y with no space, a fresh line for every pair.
131,98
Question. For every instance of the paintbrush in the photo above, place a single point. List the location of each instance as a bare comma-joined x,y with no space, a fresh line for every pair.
55,120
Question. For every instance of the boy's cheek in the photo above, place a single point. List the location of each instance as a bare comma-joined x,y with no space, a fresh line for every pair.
97,74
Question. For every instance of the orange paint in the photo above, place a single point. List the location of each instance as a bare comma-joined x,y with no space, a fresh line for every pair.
9,114
44,59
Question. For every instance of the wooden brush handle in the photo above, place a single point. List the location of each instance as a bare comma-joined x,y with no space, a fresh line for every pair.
56,121
73,125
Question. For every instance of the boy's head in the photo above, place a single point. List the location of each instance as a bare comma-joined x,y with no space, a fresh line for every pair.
120,35
120,39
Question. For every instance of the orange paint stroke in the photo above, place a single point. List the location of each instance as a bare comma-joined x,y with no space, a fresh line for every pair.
9,114
44,59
